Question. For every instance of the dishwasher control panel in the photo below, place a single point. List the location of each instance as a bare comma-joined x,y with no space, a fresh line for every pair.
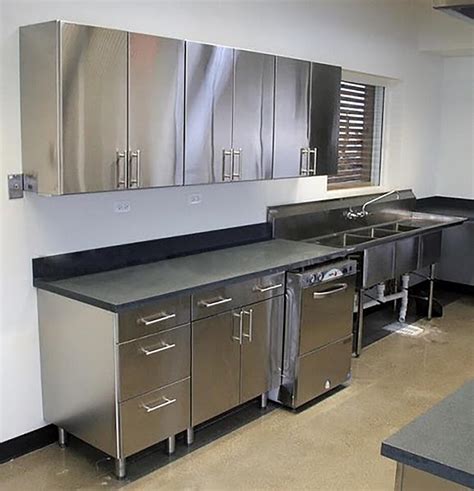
329,272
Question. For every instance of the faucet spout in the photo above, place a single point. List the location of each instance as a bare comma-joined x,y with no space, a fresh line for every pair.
351,214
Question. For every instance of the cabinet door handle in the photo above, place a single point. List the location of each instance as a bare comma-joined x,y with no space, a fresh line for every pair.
236,153
226,176
337,288
120,157
161,318
304,164
263,289
312,168
241,327
217,302
135,183
166,347
150,409
249,335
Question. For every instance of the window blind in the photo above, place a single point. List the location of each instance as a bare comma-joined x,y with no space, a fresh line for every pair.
360,135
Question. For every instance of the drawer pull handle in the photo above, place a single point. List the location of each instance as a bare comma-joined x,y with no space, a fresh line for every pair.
217,302
150,409
263,289
150,322
337,289
157,350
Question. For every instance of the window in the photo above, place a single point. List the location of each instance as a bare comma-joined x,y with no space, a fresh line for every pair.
360,136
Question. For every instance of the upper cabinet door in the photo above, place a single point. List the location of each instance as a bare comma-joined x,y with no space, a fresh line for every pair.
208,118
94,108
156,111
325,111
292,121
252,139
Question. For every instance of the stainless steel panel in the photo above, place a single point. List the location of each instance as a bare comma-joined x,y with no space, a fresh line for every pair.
77,346
261,348
253,116
94,107
406,255
216,300
322,370
292,118
156,110
326,313
430,249
152,417
153,318
378,264
215,366
208,118
410,479
40,145
154,361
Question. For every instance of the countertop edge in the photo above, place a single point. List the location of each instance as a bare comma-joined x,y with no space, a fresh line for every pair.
119,308
427,465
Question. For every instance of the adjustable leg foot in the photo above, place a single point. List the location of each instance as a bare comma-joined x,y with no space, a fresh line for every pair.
189,436
120,468
62,437
263,400
171,445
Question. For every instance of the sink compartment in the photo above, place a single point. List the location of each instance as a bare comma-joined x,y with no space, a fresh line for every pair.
398,227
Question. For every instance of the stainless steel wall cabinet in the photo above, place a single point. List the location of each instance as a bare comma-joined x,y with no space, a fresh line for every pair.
229,114
101,109
307,102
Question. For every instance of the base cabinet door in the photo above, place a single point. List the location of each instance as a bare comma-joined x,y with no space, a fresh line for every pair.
216,366
259,322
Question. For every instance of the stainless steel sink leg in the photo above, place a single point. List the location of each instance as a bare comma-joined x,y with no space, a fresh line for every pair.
360,323
62,437
171,445
431,295
120,468
189,436
263,400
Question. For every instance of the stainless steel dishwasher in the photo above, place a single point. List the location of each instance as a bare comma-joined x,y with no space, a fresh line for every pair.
317,349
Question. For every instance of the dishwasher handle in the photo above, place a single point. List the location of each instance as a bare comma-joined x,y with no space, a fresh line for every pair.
339,287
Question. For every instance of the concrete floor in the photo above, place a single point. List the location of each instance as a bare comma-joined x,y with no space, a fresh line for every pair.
334,444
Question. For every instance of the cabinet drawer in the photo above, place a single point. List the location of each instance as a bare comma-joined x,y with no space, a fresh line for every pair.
222,299
155,317
154,361
150,418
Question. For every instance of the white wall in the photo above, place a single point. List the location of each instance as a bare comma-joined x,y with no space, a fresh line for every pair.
455,164
377,37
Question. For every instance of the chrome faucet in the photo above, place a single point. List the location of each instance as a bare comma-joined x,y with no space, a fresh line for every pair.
351,214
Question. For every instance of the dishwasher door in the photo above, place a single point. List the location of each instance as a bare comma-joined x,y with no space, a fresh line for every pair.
326,313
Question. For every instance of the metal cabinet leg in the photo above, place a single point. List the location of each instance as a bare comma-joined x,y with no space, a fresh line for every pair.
360,323
431,295
264,400
62,437
120,468
171,445
190,436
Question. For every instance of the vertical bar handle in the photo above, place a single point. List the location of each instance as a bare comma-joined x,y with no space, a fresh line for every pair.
236,153
121,181
226,176
241,324
304,161
135,182
312,168
249,335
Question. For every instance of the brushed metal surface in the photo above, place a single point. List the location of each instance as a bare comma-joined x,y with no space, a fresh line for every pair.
208,117
215,366
292,115
325,320
378,264
94,106
141,372
156,109
261,347
132,326
322,370
409,478
430,249
406,255
253,115
39,88
77,346
142,428
240,293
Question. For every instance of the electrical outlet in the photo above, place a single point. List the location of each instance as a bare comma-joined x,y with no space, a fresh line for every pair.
122,206
195,199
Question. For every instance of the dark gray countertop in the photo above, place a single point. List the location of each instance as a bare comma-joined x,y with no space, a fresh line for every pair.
130,287
441,441
444,205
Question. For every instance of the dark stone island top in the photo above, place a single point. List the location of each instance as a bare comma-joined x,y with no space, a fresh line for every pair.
441,441
130,287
